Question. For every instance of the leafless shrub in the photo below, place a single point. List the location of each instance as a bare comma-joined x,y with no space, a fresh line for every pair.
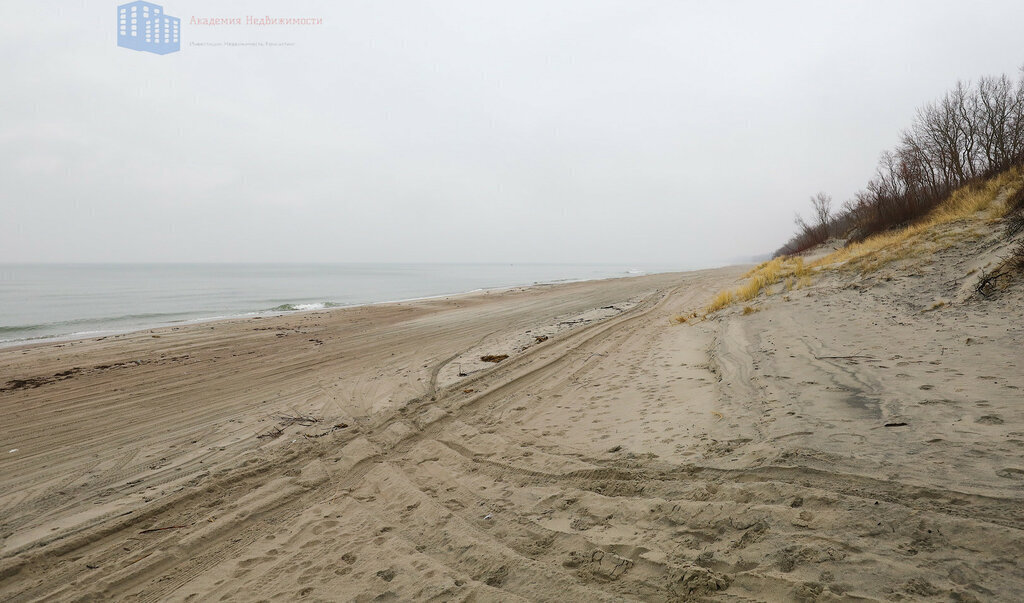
816,232
987,283
1015,224
1015,213
1016,262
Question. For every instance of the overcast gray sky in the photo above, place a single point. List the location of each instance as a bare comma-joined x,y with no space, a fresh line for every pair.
681,133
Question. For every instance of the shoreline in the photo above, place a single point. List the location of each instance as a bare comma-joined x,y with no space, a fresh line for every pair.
83,335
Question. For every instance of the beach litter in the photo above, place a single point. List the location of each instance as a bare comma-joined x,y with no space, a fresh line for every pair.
305,421
494,357
273,433
328,432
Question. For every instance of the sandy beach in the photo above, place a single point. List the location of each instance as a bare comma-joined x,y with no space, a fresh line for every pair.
561,302
839,443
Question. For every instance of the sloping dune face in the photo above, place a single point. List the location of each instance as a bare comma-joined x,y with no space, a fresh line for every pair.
837,442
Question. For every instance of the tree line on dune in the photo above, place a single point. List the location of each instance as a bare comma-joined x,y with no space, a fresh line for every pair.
971,133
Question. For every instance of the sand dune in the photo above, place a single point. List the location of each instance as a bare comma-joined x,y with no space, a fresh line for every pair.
836,444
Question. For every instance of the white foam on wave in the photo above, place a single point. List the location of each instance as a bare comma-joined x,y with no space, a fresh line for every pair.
313,306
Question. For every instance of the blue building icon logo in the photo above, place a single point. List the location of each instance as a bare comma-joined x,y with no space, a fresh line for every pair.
144,26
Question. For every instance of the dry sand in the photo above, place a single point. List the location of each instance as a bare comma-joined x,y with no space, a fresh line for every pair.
840,444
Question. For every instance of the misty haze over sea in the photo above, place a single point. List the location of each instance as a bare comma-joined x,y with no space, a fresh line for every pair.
44,301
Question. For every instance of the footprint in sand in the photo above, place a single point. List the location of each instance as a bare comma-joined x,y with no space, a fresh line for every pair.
853,438
791,435
989,420
1011,473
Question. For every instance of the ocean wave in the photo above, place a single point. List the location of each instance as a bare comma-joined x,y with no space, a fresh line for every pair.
74,335
98,320
21,328
304,306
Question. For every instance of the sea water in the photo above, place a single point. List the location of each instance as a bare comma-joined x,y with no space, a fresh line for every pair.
47,301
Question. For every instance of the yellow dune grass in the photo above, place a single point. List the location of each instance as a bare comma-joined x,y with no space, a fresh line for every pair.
968,203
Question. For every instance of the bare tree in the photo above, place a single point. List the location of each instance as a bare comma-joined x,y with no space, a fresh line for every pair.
995,105
801,225
822,204
963,105
817,231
